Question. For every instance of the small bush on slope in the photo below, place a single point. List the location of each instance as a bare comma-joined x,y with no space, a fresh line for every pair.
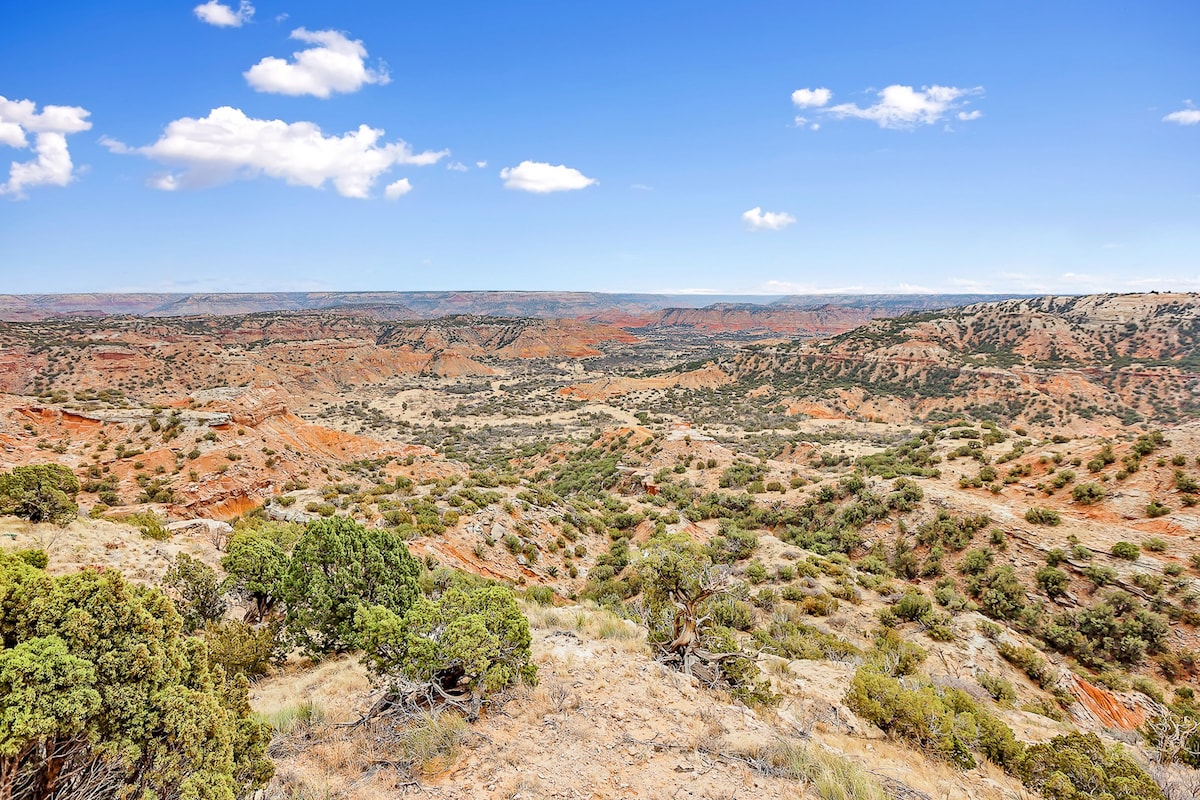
946,723
457,648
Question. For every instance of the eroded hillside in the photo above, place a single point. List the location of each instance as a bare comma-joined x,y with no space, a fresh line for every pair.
854,535
1104,360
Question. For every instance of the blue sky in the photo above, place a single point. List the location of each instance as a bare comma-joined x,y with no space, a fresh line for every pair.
728,147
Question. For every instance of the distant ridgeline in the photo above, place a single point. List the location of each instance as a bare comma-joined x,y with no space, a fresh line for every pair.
437,304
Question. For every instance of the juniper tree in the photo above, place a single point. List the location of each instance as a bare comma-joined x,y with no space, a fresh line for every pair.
196,591
454,649
40,493
256,565
337,566
102,695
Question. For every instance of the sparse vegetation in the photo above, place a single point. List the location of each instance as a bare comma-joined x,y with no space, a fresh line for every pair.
732,549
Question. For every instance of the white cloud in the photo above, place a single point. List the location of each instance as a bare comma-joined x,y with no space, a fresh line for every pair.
457,166
902,107
481,164
967,116
227,145
758,220
164,182
333,64
811,98
1184,116
221,15
397,189
50,127
541,178
641,187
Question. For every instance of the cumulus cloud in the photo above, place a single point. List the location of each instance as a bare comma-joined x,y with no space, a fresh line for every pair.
457,166
227,145
903,107
967,116
540,178
334,63
1184,116
397,189
481,164
52,163
758,220
811,98
223,16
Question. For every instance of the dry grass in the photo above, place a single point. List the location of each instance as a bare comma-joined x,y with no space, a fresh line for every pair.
431,742
322,760
831,776
592,621
100,543
289,720
339,685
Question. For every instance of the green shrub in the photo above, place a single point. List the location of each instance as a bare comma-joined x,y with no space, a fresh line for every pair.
1043,516
765,599
894,655
196,590
1114,630
755,572
999,593
945,723
255,563
1002,691
1045,708
150,524
819,605
1148,688
40,493
1031,662
239,648
731,544
1088,493
976,561
540,595
1101,576
1156,509
1126,550
1054,582
730,612
1079,767
92,667
790,639
463,645
336,567
33,557
912,606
